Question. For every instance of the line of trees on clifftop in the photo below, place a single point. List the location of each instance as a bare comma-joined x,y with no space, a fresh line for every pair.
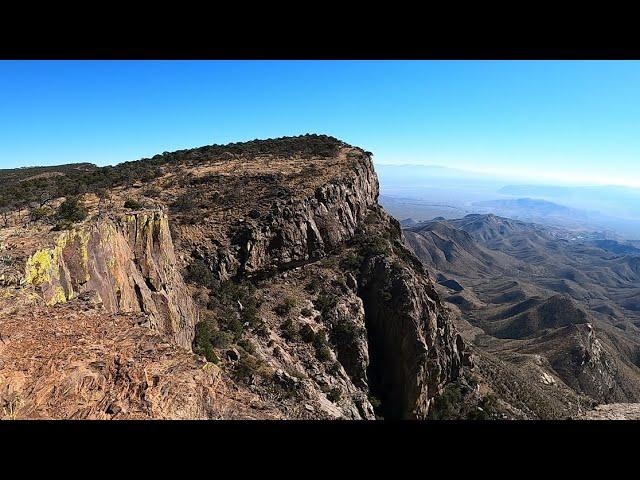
33,187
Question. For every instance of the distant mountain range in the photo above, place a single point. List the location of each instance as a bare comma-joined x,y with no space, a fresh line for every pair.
616,201
552,318
533,206
551,213
425,192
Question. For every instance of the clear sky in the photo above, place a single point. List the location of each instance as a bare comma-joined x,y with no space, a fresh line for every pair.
571,121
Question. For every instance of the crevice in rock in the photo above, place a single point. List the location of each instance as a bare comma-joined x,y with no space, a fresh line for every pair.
313,243
139,297
150,284
385,381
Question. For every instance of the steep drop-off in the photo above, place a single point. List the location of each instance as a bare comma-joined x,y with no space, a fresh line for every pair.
414,351
301,227
298,287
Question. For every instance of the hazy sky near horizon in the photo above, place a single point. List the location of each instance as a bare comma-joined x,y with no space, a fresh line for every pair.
558,121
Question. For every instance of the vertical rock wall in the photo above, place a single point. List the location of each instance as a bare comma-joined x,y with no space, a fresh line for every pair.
125,264
413,349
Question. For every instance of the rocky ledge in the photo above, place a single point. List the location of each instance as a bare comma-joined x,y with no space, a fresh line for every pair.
298,290
124,264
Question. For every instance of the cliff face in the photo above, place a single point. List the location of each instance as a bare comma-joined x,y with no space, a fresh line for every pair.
387,328
305,297
126,265
413,347
298,228
414,351
589,361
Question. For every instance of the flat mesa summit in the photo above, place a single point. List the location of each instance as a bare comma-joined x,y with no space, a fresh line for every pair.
251,280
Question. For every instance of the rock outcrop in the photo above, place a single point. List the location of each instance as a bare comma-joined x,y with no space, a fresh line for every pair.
584,363
305,297
407,350
125,264
299,228
413,348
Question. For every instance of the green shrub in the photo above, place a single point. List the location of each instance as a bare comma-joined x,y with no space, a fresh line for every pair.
334,395
133,204
203,342
447,406
334,368
247,345
340,284
290,330
184,204
319,342
199,273
306,312
250,314
307,334
458,402
323,352
248,366
229,293
314,285
285,307
376,246
371,219
344,332
330,262
221,339
325,303
152,192
488,406
39,213
234,304
352,261
235,326
262,329
72,210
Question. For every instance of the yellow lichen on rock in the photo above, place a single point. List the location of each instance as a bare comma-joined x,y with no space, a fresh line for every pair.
84,245
58,296
126,264
43,268
40,266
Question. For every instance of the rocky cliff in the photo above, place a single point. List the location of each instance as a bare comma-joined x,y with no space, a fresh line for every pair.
125,264
302,223
298,287
407,351
414,353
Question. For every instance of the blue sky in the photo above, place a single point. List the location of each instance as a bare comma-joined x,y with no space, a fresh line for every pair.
558,121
